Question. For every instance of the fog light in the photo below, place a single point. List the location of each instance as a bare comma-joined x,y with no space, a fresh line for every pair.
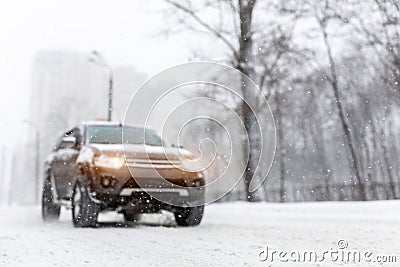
107,181
198,183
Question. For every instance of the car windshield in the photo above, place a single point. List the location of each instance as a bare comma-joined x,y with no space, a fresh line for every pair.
112,134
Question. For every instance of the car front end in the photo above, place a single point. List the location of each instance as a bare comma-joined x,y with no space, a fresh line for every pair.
141,178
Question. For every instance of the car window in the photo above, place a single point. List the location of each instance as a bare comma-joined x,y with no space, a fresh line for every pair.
68,145
65,145
105,134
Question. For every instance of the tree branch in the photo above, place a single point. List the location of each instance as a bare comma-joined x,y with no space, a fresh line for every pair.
204,24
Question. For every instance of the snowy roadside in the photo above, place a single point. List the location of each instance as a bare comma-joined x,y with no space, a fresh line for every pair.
232,234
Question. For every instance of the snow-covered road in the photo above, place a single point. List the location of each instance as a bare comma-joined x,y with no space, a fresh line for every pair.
231,234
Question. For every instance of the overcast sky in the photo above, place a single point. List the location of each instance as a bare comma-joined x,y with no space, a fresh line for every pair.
126,32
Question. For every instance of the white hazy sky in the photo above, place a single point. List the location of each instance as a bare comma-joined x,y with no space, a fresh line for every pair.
124,31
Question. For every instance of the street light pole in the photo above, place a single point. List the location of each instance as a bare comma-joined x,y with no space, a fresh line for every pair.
98,59
110,94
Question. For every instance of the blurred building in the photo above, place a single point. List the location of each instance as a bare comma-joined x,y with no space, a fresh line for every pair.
66,88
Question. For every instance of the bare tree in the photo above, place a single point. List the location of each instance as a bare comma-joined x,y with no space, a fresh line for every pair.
241,37
325,13
310,144
379,26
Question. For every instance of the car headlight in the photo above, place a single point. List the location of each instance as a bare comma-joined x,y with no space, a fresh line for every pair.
109,162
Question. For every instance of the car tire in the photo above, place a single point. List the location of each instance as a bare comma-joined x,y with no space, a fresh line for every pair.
191,216
50,210
84,210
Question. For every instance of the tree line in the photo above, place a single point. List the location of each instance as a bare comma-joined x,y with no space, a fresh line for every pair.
331,73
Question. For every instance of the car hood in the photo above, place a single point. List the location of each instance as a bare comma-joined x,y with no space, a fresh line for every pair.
139,151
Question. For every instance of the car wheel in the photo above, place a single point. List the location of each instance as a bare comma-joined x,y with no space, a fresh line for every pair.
84,210
50,210
189,216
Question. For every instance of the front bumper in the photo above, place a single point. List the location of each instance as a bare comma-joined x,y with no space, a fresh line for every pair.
147,190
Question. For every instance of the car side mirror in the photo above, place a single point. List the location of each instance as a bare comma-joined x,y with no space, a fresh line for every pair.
68,142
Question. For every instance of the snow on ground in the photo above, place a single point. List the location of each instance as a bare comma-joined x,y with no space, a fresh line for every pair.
232,234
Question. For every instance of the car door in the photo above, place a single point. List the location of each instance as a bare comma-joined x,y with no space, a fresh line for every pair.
64,163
